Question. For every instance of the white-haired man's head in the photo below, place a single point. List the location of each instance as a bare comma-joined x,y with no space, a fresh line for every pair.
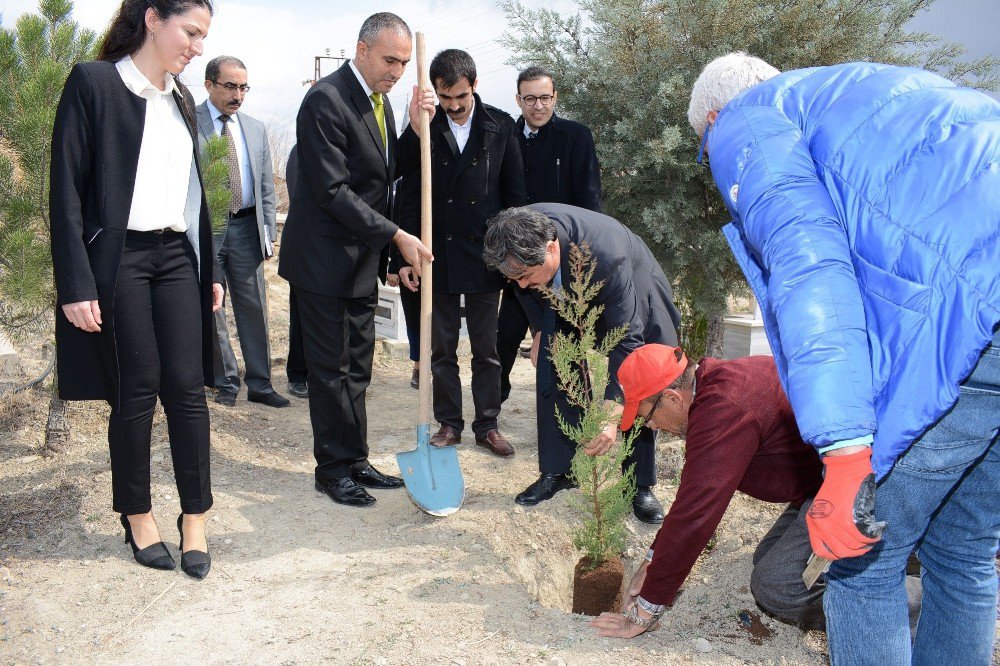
723,79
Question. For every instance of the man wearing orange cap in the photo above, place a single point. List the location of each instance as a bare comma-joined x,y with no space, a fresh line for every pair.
741,435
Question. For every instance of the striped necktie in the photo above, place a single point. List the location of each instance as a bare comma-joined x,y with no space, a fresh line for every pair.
233,161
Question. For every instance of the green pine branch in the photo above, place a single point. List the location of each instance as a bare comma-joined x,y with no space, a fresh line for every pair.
215,175
36,56
580,360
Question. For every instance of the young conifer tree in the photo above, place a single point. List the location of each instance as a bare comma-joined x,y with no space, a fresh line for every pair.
215,175
36,56
581,365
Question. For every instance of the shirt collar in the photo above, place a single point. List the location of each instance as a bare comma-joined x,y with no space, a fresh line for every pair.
361,79
468,121
137,81
214,113
527,129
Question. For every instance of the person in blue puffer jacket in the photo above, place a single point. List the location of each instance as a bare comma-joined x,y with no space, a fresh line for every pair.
866,217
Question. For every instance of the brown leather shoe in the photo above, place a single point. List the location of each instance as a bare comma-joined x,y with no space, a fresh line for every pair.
496,443
446,436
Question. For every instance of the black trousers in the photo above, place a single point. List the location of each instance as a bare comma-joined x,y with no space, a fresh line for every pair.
158,328
338,336
512,325
410,301
556,450
295,366
481,320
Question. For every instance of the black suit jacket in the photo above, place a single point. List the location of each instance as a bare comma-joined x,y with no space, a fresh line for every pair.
560,164
636,293
335,240
292,171
95,154
469,188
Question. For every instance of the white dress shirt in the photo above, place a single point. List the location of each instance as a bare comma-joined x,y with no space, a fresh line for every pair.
368,92
242,153
461,132
163,176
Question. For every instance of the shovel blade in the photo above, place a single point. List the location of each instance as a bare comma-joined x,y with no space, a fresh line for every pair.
432,475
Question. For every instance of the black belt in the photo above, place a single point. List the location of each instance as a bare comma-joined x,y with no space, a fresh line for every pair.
243,212
155,234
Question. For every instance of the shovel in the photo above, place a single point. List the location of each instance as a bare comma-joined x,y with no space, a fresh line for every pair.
432,474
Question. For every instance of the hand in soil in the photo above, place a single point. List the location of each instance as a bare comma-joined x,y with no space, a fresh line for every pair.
635,586
616,625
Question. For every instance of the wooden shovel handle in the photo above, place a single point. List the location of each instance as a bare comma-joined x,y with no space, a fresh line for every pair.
426,284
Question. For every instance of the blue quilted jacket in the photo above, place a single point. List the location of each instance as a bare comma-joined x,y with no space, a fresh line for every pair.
866,206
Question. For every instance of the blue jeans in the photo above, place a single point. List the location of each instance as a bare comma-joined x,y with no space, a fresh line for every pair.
942,499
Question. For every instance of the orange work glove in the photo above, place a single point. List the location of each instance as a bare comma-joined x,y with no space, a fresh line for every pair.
841,520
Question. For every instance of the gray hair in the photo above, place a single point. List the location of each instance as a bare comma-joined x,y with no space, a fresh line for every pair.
516,239
214,66
722,80
376,23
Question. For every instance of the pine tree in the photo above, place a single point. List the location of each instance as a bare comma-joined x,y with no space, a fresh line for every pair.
625,68
581,366
35,59
215,175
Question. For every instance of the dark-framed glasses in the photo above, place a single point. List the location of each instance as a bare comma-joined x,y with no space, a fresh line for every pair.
656,404
531,99
232,87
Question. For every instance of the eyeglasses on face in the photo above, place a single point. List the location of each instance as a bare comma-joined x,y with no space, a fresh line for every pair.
531,99
232,87
656,405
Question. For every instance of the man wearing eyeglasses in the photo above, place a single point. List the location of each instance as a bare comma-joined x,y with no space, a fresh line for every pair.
740,435
247,239
560,166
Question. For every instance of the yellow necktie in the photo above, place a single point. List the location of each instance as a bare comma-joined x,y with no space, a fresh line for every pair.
379,114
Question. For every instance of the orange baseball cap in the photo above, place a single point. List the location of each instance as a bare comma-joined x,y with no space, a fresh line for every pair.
645,372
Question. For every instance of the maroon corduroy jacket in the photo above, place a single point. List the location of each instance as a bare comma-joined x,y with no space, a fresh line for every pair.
741,436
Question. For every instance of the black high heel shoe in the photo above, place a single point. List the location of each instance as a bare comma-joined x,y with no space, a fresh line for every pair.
155,556
195,563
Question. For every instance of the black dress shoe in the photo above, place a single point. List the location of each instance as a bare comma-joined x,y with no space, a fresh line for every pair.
646,507
544,488
415,379
345,491
227,398
195,563
372,478
271,399
298,389
155,556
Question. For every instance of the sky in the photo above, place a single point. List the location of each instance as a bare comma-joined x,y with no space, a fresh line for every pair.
278,39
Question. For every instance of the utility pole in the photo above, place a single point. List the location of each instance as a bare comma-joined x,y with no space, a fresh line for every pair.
338,60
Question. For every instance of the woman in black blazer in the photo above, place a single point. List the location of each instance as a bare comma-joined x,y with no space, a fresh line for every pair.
136,277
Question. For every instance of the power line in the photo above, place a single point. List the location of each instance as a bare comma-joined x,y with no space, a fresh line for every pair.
449,16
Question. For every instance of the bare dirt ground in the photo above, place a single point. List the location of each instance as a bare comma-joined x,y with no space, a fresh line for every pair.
298,579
